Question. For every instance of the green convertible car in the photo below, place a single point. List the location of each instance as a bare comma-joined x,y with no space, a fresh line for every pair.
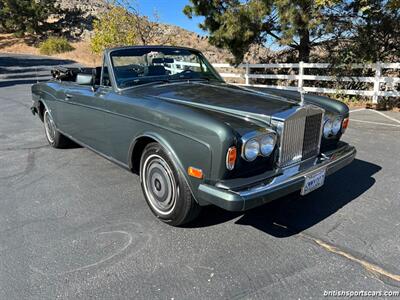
165,114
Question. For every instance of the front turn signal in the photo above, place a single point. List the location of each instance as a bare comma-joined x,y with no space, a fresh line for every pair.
231,158
345,124
194,172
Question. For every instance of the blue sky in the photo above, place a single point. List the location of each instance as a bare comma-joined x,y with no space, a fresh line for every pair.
170,12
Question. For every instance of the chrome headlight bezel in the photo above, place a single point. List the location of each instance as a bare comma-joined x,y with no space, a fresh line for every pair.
251,150
337,125
327,130
332,126
267,144
252,144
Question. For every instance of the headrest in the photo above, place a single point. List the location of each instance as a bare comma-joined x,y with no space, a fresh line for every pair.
160,60
156,70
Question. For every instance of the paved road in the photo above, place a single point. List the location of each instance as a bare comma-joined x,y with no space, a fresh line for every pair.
73,225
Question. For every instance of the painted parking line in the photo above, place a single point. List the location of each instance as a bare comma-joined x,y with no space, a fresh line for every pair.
387,117
379,113
375,123
358,109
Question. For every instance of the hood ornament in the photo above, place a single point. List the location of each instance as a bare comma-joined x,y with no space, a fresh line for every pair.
301,90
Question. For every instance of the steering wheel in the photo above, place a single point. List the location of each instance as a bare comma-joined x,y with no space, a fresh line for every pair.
137,68
188,71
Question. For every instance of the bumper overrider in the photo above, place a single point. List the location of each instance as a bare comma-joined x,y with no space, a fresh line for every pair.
242,194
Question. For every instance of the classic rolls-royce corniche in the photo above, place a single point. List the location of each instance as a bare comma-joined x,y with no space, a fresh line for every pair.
165,114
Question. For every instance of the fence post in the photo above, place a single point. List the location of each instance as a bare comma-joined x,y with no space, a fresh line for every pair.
378,73
246,76
300,82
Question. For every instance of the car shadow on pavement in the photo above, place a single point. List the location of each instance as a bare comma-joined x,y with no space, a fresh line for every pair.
21,71
7,83
292,214
26,61
29,76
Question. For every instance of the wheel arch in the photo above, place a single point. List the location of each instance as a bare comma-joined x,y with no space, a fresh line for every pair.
41,109
136,149
137,146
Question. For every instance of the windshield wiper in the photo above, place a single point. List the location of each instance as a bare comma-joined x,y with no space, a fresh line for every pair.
138,82
191,79
152,81
200,79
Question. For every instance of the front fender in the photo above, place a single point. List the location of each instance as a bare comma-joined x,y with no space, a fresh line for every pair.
183,151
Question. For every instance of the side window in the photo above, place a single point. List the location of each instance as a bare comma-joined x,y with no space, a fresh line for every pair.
105,79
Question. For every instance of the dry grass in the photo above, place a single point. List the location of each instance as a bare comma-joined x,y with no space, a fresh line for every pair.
81,53
11,44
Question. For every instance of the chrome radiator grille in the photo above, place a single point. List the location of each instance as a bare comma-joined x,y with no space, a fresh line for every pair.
300,136
312,132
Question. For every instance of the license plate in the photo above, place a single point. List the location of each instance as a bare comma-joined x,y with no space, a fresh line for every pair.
313,181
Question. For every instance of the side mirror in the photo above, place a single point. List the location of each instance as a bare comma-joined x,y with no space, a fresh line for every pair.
84,79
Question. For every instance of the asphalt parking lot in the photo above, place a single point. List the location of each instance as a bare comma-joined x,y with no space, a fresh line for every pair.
74,225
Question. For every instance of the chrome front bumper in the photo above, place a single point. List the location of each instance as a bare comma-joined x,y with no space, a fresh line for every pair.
239,195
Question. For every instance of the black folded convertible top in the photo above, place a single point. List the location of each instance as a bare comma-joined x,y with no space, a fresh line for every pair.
68,74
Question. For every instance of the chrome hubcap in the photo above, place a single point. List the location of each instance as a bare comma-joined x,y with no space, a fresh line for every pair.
159,184
49,126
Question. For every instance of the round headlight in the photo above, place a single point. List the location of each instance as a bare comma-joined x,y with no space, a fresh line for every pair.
267,144
328,126
251,150
337,124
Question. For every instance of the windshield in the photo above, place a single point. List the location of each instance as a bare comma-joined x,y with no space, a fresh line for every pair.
135,66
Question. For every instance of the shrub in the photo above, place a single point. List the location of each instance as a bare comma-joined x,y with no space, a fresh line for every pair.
54,45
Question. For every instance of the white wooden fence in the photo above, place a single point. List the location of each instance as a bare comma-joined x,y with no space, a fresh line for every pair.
243,71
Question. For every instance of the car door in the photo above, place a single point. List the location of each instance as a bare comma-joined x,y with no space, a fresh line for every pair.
82,114
120,130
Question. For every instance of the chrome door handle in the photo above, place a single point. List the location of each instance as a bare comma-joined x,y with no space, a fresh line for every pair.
68,96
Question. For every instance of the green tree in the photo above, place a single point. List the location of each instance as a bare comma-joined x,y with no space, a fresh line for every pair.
24,16
355,30
370,32
113,28
236,25
123,24
36,17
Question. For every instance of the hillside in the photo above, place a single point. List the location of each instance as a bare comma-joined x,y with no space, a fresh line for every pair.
91,6
83,54
179,35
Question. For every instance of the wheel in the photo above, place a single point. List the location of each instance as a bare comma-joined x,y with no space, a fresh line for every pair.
55,139
165,190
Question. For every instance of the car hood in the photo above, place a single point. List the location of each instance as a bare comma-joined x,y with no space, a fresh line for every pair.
243,102
223,98
330,105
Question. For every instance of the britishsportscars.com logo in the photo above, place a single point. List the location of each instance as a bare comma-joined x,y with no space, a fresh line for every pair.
350,294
